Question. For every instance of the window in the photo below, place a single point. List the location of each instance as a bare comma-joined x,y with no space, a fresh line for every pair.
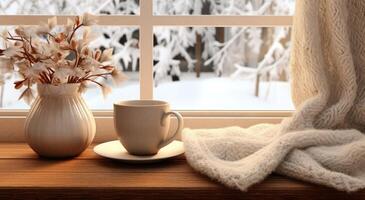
248,72
194,77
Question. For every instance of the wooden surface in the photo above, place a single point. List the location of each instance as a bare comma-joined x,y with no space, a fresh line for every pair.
25,176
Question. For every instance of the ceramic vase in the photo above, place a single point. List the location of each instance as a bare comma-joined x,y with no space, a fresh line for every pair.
59,123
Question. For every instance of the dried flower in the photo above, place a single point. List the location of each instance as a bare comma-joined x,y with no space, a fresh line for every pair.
107,55
73,44
6,64
61,74
30,72
106,90
82,87
77,21
44,56
89,19
97,55
118,77
85,51
19,84
23,32
87,37
27,95
12,51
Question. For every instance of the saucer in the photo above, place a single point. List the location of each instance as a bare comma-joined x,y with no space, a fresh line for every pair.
115,150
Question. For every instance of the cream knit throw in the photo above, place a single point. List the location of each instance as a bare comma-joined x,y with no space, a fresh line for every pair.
319,143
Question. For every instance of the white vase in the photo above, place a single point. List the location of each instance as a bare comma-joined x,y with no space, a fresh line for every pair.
59,123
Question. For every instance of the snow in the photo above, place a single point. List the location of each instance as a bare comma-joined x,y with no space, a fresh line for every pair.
223,93
206,93
245,53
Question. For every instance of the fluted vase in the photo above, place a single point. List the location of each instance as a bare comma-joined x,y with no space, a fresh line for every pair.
59,123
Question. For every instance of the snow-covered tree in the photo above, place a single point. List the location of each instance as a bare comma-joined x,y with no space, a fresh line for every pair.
253,52
246,52
250,51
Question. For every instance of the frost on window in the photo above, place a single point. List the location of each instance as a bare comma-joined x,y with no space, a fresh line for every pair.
215,68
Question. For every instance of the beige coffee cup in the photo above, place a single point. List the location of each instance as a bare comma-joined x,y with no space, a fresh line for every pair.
143,125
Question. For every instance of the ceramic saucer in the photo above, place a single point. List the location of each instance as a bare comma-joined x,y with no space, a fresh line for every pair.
115,150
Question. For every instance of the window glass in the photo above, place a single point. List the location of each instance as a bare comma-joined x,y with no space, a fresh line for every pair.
209,68
225,7
124,41
236,68
69,7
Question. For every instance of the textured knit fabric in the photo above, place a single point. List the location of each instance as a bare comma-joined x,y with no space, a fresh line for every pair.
322,142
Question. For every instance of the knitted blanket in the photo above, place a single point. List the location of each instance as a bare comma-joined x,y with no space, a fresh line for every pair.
322,142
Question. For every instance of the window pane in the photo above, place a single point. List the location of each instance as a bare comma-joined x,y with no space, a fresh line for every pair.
69,7
222,68
225,7
124,40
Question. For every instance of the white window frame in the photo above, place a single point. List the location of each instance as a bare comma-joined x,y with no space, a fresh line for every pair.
12,121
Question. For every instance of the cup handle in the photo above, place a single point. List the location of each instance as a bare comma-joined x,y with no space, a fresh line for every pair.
180,125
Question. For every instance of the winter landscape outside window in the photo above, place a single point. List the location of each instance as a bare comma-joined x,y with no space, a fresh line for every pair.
237,60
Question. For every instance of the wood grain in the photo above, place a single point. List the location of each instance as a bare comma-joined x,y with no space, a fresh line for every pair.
25,176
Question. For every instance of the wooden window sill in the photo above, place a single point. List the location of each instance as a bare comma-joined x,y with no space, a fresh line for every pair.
24,176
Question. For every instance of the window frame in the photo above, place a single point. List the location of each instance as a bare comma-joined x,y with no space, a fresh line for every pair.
12,121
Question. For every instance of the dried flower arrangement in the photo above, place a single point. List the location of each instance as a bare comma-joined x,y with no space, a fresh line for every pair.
47,54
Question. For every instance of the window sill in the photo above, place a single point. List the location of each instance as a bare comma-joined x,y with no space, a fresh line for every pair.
12,121
24,176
